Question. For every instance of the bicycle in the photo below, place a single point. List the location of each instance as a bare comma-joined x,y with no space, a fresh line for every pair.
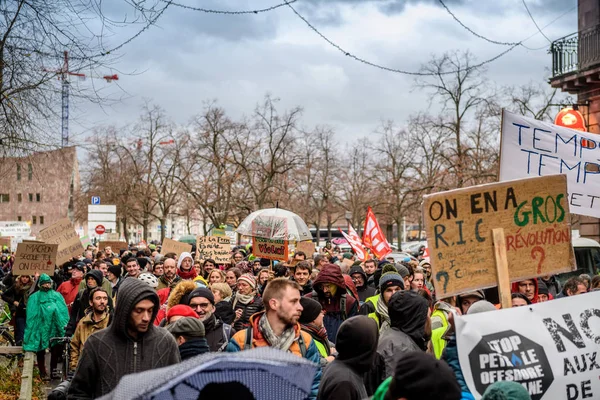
66,354
6,339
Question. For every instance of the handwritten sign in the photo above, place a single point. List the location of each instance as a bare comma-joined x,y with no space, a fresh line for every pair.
173,246
533,148
64,235
534,213
307,247
32,257
270,249
213,247
115,246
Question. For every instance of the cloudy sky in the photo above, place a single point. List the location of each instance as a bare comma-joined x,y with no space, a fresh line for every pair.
190,57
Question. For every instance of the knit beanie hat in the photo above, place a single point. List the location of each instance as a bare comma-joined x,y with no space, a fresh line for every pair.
419,375
115,270
311,310
402,270
481,306
506,390
390,277
181,310
187,326
249,279
542,287
201,292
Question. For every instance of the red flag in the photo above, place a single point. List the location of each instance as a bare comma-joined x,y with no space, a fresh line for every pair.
354,240
373,237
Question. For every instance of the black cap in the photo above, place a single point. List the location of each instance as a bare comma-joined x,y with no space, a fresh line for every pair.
201,292
311,310
115,270
80,266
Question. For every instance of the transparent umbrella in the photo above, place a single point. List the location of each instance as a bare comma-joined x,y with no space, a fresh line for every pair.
274,223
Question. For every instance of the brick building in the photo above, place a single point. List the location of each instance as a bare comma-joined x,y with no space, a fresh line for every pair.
39,188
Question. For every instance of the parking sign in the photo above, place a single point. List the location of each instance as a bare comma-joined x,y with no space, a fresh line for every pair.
95,200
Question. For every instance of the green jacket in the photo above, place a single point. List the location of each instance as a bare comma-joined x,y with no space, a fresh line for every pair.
47,316
382,389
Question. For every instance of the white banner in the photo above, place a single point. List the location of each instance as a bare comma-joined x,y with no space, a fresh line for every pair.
14,228
534,148
550,348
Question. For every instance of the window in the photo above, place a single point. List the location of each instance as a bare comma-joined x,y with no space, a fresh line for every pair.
30,196
33,220
38,197
18,172
19,197
41,220
29,171
19,218
4,197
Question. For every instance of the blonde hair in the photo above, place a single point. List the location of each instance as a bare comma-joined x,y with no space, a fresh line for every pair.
223,288
219,272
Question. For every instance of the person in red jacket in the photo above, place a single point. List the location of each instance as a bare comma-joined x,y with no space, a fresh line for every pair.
527,287
330,291
69,289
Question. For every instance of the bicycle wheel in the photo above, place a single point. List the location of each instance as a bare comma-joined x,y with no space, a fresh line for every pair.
6,339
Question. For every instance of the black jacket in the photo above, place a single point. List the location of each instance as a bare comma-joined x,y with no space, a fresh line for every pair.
256,305
111,353
20,295
82,302
193,347
224,312
356,345
217,333
365,291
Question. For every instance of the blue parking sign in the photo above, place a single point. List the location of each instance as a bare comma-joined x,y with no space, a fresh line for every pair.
95,200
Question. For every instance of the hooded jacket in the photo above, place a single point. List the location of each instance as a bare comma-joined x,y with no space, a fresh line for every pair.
365,291
356,345
111,353
82,301
554,286
408,316
515,289
47,316
334,316
189,275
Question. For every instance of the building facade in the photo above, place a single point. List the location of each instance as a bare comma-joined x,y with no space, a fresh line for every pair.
39,189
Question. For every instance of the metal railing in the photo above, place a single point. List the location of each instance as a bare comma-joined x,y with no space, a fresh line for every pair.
576,52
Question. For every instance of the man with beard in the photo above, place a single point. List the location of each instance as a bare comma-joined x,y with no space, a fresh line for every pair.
359,277
169,278
256,266
278,326
217,333
130,344
410,328
302,276
95,319
92,280
330,291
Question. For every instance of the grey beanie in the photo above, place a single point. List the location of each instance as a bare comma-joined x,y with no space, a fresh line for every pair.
390,277
481,306
187,326
402,270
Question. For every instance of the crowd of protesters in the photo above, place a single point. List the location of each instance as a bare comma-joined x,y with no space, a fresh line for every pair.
375,328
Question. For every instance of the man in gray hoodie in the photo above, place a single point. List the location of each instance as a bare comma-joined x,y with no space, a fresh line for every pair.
130,344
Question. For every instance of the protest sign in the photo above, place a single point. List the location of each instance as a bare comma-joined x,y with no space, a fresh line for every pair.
64,235
85,241
307,247
33,256
534,148
534,214
173,246
115,246
217,232
213,247
14,228
550,348
270,249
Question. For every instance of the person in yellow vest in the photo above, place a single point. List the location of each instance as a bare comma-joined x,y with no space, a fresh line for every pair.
376,307
440,325
311,322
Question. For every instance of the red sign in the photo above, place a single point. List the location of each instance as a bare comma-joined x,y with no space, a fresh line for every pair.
373,237
571,119
100,229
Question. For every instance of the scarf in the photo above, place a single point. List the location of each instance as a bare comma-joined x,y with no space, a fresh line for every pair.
384,317
245,299
189,275
282,342
193,347
319,334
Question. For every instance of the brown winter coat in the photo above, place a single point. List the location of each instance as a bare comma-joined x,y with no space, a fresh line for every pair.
84,330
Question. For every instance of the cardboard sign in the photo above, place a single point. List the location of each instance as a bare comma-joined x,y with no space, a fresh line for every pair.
217,232
550,348
32,257
534,214
64,235
306,246
115,246
213,247
173,246
270,249
534,148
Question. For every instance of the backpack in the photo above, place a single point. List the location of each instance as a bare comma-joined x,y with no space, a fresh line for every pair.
248,342
226,336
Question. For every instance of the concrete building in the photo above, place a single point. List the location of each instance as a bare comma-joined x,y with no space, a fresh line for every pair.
39,188
576,70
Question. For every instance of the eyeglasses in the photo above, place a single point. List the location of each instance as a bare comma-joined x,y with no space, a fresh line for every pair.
201,305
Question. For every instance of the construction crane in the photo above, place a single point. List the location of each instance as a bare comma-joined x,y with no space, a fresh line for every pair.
63,74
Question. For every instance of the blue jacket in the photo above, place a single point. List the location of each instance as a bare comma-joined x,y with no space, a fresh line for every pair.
450,356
